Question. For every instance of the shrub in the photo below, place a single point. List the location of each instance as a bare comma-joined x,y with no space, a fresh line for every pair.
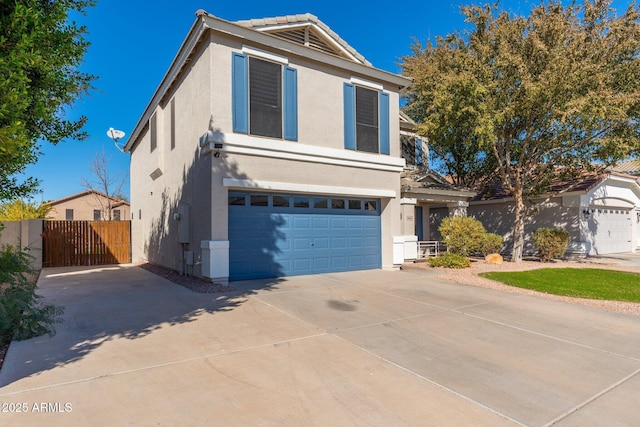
550,242
462,235
23,314
492,244
449,260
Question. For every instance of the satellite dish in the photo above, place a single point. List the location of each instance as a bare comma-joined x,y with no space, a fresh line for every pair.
116,135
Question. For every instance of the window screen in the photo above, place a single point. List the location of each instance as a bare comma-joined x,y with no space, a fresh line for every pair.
265,98
68,214
116,215
96,215
366,120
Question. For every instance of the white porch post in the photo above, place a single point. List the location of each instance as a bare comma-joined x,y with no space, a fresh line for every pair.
215,260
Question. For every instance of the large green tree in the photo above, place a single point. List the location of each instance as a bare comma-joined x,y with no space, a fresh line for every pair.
40,52
530,97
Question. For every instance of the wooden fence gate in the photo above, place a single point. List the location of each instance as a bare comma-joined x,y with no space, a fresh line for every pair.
86,243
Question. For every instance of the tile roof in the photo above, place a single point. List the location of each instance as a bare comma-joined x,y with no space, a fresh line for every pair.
119,202
630,166
426,178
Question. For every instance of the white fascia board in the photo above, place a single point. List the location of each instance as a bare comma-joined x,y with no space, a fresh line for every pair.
265,55
291,187
262,147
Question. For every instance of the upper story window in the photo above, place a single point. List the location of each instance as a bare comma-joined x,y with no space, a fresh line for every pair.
366,117
97,215
265,98
367,130
68,213
264,95
412,150
153,132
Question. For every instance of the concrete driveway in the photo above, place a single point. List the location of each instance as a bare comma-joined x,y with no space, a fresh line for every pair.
374,348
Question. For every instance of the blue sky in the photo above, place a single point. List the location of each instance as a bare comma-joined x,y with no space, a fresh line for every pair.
133,43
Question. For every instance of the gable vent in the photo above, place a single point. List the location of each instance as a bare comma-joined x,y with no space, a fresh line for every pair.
307,37
296,36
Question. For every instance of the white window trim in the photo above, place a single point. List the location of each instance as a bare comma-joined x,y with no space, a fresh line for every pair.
247,50
367,83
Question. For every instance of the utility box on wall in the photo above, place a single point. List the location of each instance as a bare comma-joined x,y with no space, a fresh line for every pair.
184,224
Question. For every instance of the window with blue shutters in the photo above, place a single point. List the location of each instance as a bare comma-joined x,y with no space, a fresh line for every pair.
264,98
366,119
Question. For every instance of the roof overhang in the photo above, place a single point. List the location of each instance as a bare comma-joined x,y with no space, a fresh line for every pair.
433,195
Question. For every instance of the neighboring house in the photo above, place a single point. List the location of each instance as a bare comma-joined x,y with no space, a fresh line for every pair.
600,211
89,205
271,147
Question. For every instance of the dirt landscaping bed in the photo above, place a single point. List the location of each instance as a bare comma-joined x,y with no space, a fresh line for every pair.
193,283
470,276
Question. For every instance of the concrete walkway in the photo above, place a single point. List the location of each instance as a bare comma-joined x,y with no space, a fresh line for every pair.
374,348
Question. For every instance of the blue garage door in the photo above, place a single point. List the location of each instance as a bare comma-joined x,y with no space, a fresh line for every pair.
272,235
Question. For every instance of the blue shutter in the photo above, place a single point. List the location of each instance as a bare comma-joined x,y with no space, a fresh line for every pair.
290,104
240,93
418,151
384,123
349,117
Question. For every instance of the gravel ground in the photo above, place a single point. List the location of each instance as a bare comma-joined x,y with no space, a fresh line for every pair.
469,276
192,283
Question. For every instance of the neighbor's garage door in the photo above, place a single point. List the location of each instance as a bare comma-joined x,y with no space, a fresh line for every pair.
273,235
611,230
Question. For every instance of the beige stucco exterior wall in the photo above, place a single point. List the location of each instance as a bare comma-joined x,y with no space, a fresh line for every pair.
185,178
83,208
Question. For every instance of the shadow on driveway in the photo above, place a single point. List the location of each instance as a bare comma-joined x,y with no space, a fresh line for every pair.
104,304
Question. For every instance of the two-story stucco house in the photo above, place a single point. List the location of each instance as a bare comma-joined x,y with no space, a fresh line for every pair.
270,148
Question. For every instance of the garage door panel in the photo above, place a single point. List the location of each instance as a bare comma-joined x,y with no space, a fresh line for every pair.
338,242
339,223
356,261
301,244
321,263
320,243
356,242
292,241
321,223
300,222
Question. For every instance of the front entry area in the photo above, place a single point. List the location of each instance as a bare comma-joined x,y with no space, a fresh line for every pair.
272,235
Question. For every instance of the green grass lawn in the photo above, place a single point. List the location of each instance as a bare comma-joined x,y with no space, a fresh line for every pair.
575,282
